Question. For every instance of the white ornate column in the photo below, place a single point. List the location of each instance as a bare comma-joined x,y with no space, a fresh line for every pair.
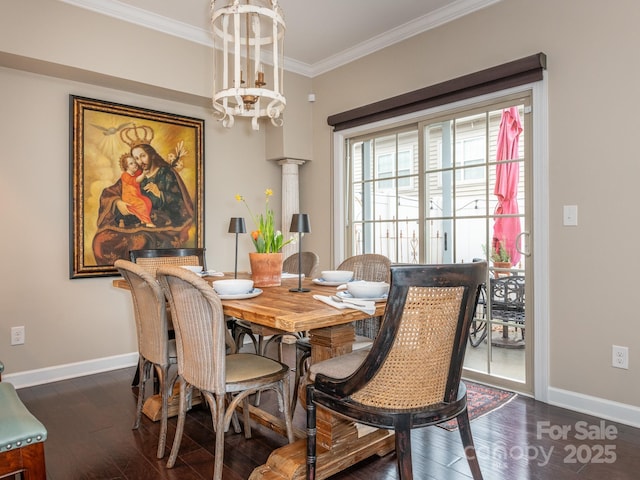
290,197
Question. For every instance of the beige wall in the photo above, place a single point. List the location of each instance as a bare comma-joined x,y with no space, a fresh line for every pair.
69,321
593,89
592,80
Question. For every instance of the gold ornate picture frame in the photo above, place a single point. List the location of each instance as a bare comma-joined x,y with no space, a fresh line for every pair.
137,181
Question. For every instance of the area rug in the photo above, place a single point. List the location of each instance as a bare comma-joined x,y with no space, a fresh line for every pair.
481,400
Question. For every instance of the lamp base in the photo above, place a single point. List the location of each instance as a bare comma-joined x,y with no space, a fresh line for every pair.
299,290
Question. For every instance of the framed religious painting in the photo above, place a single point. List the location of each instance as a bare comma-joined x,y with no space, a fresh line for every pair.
136,182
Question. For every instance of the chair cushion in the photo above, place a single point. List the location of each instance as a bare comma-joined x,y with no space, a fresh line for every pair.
339,367
18,426
245,366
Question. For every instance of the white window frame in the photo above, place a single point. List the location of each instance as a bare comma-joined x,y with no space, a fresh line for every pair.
540,205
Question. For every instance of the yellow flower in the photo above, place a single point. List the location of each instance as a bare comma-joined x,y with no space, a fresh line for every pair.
265,237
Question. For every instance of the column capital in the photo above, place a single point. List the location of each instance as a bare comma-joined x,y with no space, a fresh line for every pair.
290,161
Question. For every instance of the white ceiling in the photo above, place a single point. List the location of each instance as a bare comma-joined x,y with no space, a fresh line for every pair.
320,34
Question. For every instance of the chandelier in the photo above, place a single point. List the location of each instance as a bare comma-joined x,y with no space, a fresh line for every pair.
247,37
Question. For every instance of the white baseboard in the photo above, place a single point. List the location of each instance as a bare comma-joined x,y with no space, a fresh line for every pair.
30,378
598,407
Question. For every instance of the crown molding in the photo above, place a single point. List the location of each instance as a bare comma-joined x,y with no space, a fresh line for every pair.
415,27
144,18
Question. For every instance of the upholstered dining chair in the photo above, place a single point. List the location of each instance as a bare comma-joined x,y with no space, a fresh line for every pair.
411,377
155,348
225,381
22,437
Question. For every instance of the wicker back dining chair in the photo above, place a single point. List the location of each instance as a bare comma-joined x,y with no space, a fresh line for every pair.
411,377
152,258
371,267
225,381
309,262
155,348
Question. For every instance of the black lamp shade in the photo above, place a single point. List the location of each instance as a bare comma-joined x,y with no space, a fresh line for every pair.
300,223
236,225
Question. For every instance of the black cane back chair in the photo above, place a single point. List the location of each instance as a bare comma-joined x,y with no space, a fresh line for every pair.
422,340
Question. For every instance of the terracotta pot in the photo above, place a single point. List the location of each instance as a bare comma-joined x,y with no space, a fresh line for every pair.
501,266
266,269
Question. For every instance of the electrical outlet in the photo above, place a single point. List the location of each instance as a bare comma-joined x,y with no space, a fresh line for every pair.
620,357
17,335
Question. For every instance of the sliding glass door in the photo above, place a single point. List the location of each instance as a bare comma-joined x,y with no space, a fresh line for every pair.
455,187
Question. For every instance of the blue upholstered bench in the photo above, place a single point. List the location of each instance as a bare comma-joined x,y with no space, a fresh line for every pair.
21,437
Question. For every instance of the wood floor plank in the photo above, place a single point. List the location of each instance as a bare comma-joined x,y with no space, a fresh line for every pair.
89,422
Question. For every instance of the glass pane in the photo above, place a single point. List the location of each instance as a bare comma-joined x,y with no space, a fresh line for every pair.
408,207
386,240
357,206
408,241
367,201
356,162
439,194
439,235
470,239
357,237
385,199
367,161
470,203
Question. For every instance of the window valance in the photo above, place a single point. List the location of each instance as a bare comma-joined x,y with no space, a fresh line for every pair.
518,72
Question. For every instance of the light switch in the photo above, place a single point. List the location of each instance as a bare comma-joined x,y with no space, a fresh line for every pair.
570,216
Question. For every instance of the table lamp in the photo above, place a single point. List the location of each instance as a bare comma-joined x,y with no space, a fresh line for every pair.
300,223
236,225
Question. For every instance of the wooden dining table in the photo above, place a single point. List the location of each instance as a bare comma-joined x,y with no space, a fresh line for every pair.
341,443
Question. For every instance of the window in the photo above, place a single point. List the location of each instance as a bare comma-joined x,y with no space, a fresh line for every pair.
383,203
432,207
470,153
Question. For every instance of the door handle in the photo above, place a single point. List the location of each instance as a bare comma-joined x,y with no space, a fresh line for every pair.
525,235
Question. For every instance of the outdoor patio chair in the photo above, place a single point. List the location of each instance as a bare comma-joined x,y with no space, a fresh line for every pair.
507,304
508,301
422,342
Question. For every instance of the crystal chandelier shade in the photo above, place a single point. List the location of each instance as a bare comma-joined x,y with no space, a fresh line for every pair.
248,60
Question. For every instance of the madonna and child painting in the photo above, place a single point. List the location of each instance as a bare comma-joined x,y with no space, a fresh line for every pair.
137,183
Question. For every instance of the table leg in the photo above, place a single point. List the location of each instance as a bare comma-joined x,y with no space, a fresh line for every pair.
341,443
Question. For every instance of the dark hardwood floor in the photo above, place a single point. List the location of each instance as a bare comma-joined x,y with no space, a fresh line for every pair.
90,437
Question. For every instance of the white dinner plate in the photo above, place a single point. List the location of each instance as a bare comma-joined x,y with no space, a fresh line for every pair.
324,283
211,273
291,275
343,294
241,296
